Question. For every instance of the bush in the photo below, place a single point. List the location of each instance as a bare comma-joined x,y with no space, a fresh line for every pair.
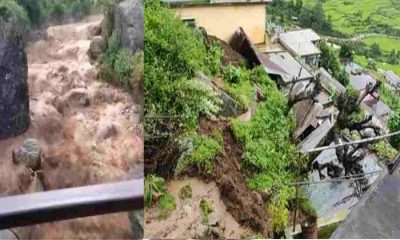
174,53
166,204
268,151
206,208
35,11
57,12
153,188
384,151
11,11
120,66
394,126
78,10
201,155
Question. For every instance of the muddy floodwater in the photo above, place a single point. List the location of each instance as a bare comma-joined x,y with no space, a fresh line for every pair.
89,131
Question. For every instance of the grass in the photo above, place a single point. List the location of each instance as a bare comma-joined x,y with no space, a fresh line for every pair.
350,16
386,44
206,207
326,231
361,60
166,204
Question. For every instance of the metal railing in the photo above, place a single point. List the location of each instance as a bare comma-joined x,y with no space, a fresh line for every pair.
34,208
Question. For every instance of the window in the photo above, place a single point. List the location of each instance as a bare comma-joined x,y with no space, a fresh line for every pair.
190,22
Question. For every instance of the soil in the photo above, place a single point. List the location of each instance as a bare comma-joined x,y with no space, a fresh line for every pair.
90,132
246,206
230,55
185,222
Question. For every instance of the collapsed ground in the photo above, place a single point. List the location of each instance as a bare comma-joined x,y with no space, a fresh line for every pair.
214,119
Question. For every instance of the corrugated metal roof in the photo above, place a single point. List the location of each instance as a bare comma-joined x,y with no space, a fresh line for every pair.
300,42
361,81
283,64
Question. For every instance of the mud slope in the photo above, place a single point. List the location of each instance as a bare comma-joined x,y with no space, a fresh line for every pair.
246,206
90,132
186,220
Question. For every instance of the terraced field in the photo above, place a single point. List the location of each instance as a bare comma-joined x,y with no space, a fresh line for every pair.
357,16
386,44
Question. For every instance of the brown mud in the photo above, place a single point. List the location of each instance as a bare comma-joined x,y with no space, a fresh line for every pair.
185,222
246,206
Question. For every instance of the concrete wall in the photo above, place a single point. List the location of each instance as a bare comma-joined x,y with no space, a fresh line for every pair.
222,20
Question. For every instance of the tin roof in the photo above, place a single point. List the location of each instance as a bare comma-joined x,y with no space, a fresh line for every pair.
300,42
284,65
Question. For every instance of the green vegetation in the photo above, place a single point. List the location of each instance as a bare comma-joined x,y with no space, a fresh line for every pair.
330,61
174,53
355,16
383,150
185,192
394,126
200,154
35,13
166,204
206,207
365,62
174,56
120,66
11,11
385,44
326,231
238,85
268,151
153,188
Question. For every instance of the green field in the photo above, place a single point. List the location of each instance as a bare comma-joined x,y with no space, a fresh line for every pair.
361,60
386,44
355,16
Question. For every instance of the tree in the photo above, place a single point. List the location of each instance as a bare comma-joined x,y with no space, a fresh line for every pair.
375,51
34,10
394,125
392,57
343,77
346,52
348,104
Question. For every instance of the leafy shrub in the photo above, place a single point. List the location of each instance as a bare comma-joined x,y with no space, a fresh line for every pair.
11,11
202,154
394,126
166,204
120,66
153,188
57,12
268,151
383,150
35,11
174,53
206,207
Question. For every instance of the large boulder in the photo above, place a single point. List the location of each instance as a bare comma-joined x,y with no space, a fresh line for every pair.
129,24
96,49
14,96
28,154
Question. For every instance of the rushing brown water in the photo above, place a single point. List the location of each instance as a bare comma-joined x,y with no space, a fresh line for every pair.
90,132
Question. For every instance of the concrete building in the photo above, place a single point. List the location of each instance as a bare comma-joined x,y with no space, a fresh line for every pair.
303,45
222,18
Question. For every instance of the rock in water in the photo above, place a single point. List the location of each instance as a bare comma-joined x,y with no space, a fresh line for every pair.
28,154
129,24
14,96
96,49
